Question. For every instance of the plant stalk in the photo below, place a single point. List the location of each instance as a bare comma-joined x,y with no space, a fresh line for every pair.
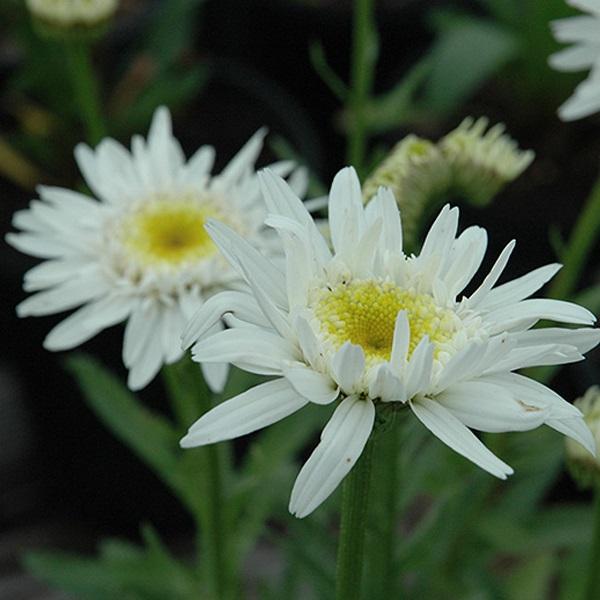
364,56
593,584
580,244
86,90
190,397
355,496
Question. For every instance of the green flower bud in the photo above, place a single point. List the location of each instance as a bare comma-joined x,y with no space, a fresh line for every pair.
417,173
482,162
71,19
584,467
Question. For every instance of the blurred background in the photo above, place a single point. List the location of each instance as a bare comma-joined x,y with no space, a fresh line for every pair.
225,68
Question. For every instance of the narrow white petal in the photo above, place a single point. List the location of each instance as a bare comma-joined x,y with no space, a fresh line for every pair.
576,429
488,407
314,386
387,386
240,304
346,218
444,425
490,280
244,159
239,252
400,341
72,331
418,370
149,361
503,318
536,356
215,375
441,234
521,288
583,339
342,443
254,409
347,366
250,347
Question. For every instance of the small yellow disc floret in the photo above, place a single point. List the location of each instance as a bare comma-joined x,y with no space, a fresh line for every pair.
364,313
169,232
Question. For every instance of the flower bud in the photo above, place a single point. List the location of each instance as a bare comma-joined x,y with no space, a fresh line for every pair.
584,467
482,162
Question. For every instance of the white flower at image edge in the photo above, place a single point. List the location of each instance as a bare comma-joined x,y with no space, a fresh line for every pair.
583,31
139,252
367,325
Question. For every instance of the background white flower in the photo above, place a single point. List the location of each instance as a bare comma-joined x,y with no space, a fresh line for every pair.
367,324
139,252
67,13
583,32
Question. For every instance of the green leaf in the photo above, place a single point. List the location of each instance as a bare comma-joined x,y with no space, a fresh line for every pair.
533,579
463,58
329,77
149,435
122,570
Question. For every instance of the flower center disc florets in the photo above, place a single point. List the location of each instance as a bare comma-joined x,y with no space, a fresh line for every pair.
364,313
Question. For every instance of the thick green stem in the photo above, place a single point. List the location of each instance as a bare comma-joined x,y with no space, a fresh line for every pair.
355,496
364,56
190,398
581,242
85,89
593,583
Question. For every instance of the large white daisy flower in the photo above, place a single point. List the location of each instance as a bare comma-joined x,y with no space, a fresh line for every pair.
583,32
366,325
139,252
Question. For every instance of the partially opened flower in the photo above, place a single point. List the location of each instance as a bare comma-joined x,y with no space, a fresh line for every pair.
366,325
139,252
583,31
69,13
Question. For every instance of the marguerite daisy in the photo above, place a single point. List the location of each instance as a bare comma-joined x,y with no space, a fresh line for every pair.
366,325
583,31
139,252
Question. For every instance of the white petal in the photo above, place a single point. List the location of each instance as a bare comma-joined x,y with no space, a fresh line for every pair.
144,368
518,289
241,304
583,339
441,234
488,283
244,159
504,318
346,218
137,332
72,331
258,407
314,386
576,429
342,443
239,252
576,58
418,370
400,342
251,348
488,407
387,386
347,366
215,375
444,425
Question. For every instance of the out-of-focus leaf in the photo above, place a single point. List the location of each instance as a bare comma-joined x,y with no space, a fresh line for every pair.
533,579
331,79
16,167
398,105
267,474
573,574
463,58
122,570
171,30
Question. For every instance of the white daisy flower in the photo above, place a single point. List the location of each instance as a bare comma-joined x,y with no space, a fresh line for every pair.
139,251
583,32
366,325
68,13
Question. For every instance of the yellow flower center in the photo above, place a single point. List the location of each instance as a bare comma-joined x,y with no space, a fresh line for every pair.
364,313
169,231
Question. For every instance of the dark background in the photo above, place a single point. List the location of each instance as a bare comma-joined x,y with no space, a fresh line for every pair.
64,480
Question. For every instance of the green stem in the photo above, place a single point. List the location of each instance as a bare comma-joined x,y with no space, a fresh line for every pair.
593,583
85,89
190,398
355,495
582,239
364,56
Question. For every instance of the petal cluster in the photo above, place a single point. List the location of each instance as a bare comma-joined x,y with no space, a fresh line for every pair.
137,250
426,347
583,32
